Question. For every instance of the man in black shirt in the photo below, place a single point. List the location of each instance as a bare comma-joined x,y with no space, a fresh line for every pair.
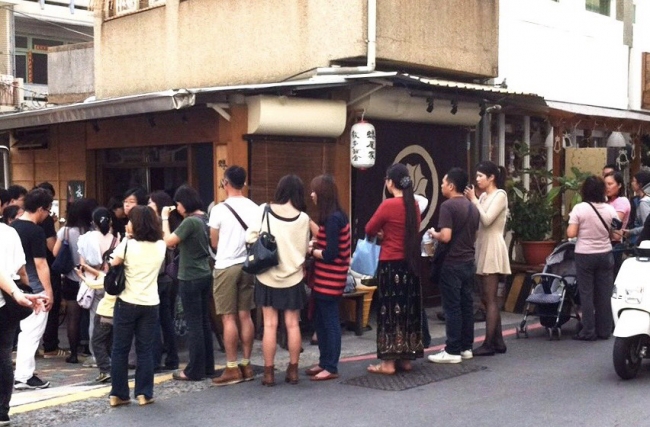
51,334
37,205
458,223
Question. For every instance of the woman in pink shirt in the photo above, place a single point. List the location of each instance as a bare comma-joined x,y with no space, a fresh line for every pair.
590,221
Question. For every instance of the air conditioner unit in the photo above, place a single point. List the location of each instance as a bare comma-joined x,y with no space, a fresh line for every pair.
31,138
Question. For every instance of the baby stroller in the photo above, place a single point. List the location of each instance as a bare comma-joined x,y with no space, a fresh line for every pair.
555,292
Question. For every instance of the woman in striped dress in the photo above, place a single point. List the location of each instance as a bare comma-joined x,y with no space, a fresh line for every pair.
331,253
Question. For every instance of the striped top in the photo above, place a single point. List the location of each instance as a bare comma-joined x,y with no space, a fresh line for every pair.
330,273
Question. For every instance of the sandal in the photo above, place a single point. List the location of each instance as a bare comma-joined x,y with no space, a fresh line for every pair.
379,369
180,376
328,376
314,370
403,365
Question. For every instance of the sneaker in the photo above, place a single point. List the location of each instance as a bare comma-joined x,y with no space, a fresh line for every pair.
33,383
228,377
90,362
4,420
55,353
247,372
466,354
444,357
103,377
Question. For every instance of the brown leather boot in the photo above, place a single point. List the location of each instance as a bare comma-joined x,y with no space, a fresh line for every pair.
228,377
269,376
292,373
247,372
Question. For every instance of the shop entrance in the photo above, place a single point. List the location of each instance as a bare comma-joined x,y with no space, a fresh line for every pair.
155,168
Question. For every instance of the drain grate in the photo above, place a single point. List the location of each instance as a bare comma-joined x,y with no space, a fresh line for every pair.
422,373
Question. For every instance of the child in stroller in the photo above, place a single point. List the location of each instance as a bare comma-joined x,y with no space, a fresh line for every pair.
555,294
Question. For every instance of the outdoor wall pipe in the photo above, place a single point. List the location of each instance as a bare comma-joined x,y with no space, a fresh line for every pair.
371,48
5,165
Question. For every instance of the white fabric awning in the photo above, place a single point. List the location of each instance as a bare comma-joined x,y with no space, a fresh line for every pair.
590,110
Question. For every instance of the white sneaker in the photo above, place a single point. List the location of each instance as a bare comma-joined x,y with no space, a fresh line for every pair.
444,357
466,354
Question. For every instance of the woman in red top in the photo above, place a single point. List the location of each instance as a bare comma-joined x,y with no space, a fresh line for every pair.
331,253
399,321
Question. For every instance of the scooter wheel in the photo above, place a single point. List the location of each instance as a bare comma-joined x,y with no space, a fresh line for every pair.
627,356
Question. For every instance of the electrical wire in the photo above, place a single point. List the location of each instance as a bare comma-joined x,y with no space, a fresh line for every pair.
29,15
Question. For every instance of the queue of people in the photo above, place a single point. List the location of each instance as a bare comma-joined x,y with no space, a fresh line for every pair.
165,245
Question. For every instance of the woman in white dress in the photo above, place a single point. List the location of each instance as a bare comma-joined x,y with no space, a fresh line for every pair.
491,251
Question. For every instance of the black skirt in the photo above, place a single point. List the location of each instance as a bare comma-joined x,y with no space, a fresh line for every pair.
399,312
292,298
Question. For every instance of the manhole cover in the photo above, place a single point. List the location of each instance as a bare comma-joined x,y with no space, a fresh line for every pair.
422,373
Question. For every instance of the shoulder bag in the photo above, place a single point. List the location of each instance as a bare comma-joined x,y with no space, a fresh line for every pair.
115,279
263,254
64,262
16,312
442,249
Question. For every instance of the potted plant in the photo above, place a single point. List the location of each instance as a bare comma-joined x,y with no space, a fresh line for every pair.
532,211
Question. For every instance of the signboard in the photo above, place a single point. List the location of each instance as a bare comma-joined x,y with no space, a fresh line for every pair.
76,190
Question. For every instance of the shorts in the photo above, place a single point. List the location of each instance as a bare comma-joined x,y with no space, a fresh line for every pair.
233,290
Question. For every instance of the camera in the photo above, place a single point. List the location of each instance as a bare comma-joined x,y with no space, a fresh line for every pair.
616,224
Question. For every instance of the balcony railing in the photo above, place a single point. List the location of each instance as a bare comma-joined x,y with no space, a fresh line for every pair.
124,7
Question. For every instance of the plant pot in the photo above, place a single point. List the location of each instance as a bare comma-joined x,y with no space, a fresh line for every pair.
535,253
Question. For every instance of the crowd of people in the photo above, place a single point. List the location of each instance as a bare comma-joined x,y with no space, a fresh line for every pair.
173,246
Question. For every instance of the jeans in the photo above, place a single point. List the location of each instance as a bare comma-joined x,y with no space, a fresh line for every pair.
102,338
328,330
456,288
31,332
595,277
7,332
130,320
195,296
165,343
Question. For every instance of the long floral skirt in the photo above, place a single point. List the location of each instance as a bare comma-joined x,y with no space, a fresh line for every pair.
399,312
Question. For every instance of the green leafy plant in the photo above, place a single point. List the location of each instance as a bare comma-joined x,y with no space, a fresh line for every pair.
532,210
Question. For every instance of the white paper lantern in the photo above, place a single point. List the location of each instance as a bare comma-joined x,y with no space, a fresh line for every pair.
362,145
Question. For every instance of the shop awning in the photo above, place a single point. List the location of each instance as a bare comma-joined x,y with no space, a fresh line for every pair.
593,111
91,110
185,98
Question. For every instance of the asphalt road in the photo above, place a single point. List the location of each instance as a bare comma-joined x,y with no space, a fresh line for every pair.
536,383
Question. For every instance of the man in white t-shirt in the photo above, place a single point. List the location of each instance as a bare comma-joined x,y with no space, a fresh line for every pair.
12,256
232,288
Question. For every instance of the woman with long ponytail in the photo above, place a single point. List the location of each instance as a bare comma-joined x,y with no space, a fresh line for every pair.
399,321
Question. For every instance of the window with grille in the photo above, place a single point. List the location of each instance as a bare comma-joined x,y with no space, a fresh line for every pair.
599,6
125,7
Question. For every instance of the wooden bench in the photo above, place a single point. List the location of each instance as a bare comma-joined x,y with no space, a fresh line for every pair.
357,297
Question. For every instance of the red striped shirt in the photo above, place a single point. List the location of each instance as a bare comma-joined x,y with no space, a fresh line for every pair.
329,278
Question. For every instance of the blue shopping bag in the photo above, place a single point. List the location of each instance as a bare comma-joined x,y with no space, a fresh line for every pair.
366,257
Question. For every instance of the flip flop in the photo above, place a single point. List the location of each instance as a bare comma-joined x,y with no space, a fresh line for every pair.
179,375
314,370
378,369
329,376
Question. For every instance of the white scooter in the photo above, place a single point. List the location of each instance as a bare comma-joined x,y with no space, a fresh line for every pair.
631,311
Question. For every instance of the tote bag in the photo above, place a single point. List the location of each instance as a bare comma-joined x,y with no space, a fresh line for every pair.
366,257
64,262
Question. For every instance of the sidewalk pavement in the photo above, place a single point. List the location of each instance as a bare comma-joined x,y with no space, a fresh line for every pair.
72,382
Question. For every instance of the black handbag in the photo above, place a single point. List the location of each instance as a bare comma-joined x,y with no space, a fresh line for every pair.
16,312
115,278
263,254
64,262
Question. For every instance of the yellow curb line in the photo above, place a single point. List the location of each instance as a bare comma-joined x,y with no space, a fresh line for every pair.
75,397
